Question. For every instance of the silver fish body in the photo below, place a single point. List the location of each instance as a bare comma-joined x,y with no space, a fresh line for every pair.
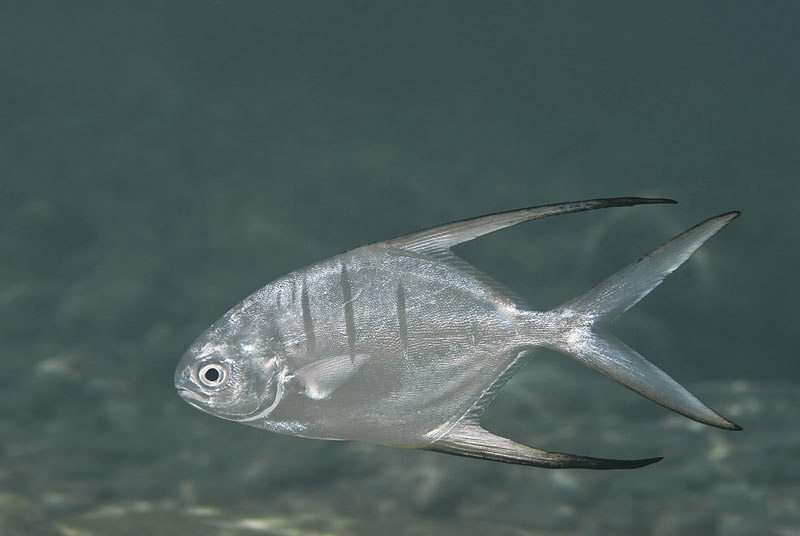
402,343
383,345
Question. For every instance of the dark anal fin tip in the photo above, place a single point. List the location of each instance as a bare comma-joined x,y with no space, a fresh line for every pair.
606,464
732,426
644,462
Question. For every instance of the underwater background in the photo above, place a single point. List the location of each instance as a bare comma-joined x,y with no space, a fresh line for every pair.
161,160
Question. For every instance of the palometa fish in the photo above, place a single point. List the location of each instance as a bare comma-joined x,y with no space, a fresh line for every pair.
402,343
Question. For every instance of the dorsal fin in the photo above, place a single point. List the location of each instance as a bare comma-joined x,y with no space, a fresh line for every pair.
497,288
445,236
467,438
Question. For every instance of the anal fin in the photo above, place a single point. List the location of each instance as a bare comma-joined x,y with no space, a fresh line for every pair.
471,440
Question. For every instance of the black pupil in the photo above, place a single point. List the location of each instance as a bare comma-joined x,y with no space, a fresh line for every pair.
212,375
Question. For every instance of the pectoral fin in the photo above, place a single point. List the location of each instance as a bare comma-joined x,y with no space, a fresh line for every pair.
321,378
469,439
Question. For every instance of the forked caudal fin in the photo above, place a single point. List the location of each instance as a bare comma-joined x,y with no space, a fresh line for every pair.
577,329
582,325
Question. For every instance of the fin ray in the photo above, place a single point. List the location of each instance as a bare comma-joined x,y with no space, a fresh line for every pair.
494,389
497,288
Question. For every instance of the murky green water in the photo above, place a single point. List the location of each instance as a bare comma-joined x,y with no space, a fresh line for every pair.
159,161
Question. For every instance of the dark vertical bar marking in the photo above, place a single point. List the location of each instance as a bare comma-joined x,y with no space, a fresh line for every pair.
308,324
401,317
347,298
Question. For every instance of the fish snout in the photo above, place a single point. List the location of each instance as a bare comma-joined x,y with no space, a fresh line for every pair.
187,388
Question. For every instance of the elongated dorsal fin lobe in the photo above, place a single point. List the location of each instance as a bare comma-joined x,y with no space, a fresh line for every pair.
448,235
469,439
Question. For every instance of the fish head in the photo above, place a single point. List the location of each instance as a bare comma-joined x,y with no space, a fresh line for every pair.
229,373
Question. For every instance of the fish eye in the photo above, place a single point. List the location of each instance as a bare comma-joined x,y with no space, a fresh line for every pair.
212,375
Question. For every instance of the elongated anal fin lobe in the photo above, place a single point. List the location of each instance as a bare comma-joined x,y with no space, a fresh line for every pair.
470,440
322,378
583,321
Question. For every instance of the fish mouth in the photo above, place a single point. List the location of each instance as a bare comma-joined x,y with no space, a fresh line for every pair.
192,397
